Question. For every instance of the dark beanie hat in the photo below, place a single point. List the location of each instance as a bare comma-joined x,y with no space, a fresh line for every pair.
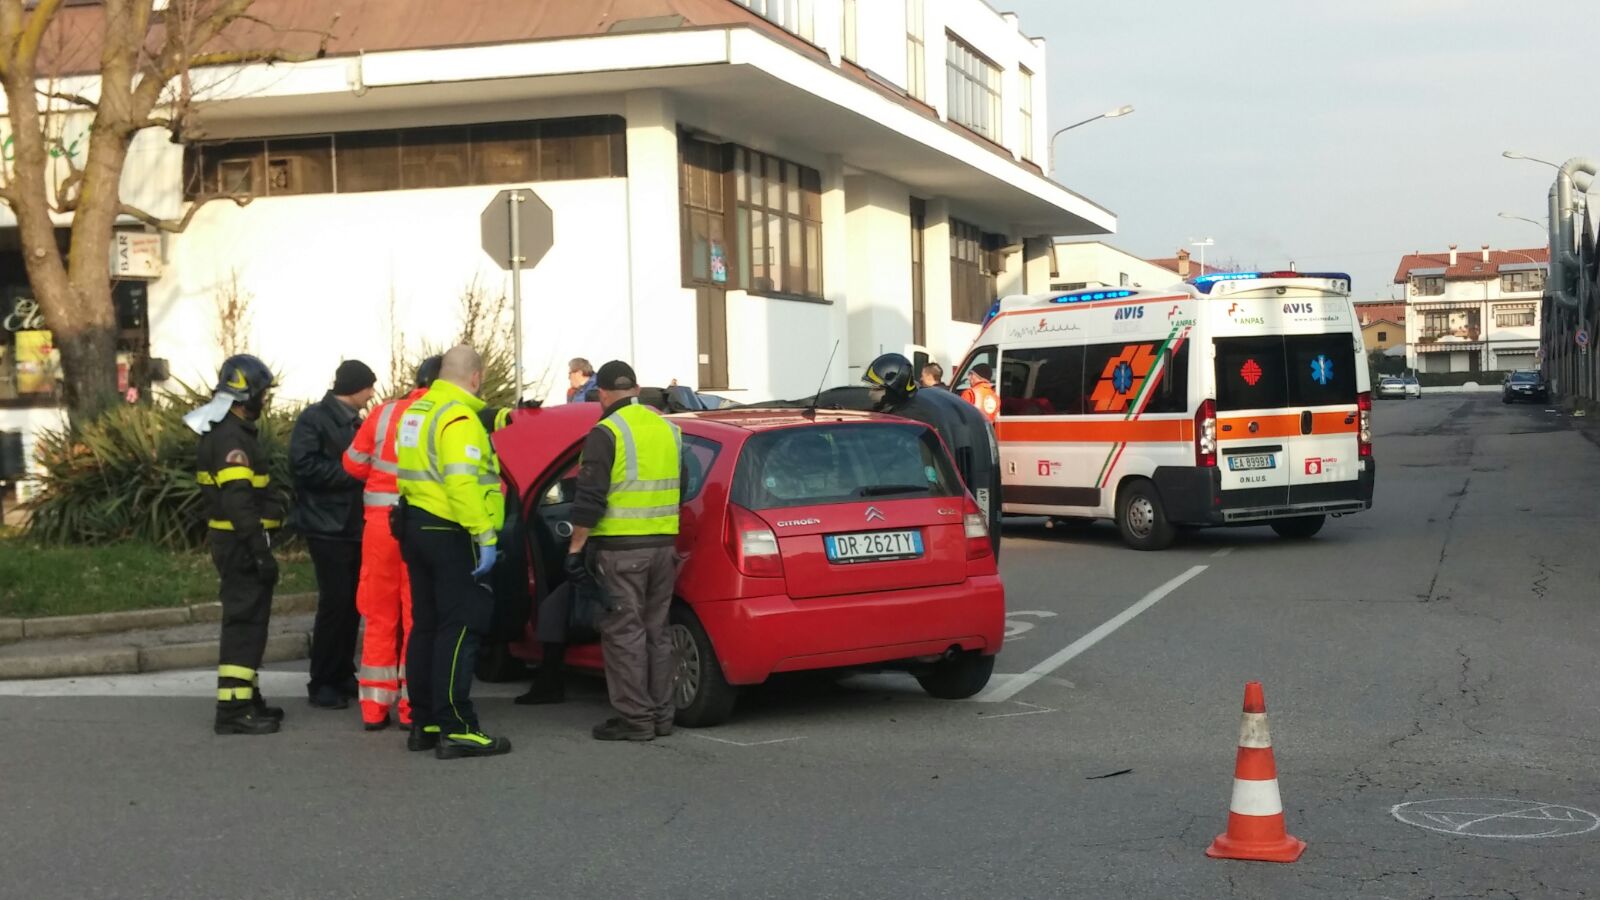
352,377
616,376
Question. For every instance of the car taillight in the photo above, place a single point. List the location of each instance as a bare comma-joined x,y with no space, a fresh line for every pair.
1364,438
977,532
752,545
1205,435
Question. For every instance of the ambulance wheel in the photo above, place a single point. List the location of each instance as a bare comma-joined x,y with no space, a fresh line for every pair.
1299,528
1141,517
699,691
958,678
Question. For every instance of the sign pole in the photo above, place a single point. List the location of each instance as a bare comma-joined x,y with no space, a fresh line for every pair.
512,199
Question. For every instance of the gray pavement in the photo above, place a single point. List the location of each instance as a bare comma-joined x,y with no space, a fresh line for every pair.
1440,646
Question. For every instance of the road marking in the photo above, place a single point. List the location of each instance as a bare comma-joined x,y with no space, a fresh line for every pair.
1033,711
1015,627
707,737
1017,683
1221,553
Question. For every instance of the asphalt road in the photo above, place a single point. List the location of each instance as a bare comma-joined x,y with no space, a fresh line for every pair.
1439,647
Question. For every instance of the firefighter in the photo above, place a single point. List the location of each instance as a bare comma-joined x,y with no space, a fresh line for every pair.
452,505
384,598
980,391
964,429
243,510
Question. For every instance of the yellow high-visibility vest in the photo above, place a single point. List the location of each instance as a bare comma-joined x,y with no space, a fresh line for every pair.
644,494
447,465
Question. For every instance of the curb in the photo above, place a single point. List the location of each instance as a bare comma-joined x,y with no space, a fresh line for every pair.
13,630
281,647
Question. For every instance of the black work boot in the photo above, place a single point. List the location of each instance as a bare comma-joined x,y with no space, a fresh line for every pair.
548,685
461,744
422,737
240,717
275,713
622,730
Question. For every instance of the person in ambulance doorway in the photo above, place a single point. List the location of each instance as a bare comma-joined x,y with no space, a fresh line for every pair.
243,509
626,506
452,506
327,512
384,595
980,391
933,377
966,433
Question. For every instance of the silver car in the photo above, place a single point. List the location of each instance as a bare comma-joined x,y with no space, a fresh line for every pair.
1399,387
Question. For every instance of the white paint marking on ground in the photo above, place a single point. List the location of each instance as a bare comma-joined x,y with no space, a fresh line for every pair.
1221,553
707,737
1014,685
181,683
1033,711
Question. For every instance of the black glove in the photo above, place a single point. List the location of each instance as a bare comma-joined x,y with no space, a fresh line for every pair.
266,565
578,574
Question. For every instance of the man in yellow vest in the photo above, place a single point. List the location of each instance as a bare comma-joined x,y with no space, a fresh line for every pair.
452,505
625,520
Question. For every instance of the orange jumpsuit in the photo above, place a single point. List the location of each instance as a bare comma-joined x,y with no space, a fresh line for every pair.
981,393
384,595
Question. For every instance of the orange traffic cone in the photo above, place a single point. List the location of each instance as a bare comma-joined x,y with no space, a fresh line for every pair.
1255,815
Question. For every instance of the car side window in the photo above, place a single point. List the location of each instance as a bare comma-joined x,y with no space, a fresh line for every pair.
563,490
698,455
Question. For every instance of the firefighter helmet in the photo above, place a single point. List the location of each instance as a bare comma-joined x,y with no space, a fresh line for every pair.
245,378
895,375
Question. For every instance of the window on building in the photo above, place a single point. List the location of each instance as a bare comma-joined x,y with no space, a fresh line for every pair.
1522,282
849,25
450,156
1025,89
919,296
974,89
778,224
916,51
1383,336
794,16
974,263
1514,318
1428,285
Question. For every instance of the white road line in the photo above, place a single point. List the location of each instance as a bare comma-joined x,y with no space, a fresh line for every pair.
1221,553
707,737
1017,683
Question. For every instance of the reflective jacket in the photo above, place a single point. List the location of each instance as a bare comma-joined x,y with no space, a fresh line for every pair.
234,482
643,496
371,457
447,465
981,393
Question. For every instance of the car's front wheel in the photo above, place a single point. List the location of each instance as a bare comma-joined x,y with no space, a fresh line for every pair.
959,677
699,691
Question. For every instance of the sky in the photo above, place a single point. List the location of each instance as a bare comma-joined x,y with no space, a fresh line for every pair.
1338,135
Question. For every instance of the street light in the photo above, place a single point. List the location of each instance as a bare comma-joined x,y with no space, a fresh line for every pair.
1512,154
1202,244
1117,113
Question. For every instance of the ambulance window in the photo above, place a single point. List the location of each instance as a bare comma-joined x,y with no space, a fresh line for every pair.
983,356
1170,393
1114,377
1042,381
1250,373
1321,369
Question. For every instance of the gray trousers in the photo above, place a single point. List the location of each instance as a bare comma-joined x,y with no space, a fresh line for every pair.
633,634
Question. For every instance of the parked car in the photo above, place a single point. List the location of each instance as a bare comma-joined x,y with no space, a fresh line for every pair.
812,540
1413,387
1391,387
1526,386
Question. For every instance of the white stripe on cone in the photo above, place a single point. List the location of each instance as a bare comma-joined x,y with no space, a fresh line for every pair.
1253,731
1256,798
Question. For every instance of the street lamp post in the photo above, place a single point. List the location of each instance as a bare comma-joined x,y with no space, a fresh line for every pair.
1117,113
1512,154
1542,226
1202,244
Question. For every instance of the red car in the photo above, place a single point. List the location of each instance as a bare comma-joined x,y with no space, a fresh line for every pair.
811,541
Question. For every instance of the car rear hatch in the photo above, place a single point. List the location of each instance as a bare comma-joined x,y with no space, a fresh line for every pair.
856,507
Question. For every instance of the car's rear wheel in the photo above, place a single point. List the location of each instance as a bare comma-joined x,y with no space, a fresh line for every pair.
1142,518
699,691
959,677
1299,528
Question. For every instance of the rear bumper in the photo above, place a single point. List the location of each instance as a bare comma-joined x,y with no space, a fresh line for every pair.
757,636
1194,496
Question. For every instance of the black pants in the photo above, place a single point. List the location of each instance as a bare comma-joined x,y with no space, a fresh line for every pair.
246,606
450,614
333,637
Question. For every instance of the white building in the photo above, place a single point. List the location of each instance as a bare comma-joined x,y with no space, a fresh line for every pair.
1476,311
736,186
1091,263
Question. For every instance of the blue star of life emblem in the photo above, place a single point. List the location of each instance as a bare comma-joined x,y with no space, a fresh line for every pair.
1322,370
1122,377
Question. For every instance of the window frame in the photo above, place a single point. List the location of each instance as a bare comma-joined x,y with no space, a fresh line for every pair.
1423,284
798,215
973,273
916,50
975,95
1025,107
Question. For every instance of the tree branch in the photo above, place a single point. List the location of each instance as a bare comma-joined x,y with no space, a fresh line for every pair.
177,226
44,12
242,57
76,99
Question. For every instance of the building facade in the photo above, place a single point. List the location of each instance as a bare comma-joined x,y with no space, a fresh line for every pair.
1474,311
737,188
1091,263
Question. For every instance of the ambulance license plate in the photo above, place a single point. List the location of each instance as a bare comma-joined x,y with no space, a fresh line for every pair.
873,546
1259,461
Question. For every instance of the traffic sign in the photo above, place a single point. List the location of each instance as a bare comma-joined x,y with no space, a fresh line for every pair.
518,229
1582,337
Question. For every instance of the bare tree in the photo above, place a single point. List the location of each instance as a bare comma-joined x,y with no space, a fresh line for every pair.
139,58
235,317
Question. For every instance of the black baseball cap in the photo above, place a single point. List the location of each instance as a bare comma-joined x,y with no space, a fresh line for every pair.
616,375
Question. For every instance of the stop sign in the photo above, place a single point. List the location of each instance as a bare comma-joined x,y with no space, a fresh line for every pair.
534,231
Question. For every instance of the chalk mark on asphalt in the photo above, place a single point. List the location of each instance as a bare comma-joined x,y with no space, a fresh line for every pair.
1015,684
1035,710
1221,553
707,737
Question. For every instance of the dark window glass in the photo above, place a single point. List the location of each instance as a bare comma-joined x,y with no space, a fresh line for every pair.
1250,373
299,166
1042,381
698,456
813,465
1169,393
1322,369
1115,377
235,167
505,152
434,158
368,161
779,223
580,148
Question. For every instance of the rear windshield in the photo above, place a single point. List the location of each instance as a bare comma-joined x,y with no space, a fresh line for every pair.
1528,377
1273,372
842,463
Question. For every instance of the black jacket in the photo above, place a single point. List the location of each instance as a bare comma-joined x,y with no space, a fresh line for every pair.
971,440
238,492
327,498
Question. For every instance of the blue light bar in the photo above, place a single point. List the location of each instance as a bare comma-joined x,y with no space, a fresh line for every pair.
1089,296
1205,282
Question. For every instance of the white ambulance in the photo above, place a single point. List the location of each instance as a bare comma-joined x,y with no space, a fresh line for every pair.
1240,399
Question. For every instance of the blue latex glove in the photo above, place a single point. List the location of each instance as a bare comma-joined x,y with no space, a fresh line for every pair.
486,559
